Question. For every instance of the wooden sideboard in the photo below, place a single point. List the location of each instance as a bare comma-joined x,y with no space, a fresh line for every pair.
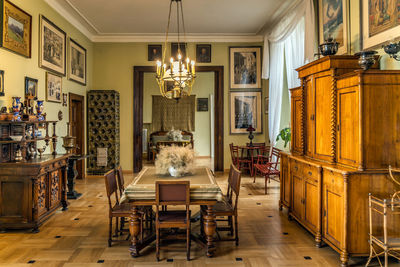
31,191
344,135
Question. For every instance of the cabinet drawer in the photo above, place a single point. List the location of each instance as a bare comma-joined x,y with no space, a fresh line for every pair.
311,173
296,167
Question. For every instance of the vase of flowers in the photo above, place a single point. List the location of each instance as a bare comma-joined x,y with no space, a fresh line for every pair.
175,135
175,161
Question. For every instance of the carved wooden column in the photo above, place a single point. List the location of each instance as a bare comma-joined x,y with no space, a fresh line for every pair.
333,116
303,116
344,255
64,186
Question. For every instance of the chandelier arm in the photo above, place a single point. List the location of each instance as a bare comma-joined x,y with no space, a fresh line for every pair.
166,32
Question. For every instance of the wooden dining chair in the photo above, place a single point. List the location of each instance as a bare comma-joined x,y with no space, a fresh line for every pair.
268,167
117,210
241,162
228,207
172,193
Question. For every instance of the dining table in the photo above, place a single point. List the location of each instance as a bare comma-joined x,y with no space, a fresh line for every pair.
204,190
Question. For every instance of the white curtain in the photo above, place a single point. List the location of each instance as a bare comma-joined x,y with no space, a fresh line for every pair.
292,42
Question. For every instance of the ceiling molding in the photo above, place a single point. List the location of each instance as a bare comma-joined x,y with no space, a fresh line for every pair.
222,38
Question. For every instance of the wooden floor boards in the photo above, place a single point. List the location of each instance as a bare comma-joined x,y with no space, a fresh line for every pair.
78,237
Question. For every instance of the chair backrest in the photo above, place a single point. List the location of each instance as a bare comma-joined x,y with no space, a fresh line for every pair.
172,193
120,179
234,153
234,185
275,157
256,144
264,150
111,186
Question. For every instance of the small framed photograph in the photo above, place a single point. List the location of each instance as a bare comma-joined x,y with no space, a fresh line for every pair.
2,83
154,52
52,46
245,111
16,29
76,62
333,23
202,104
65,100
245,67
53,87
203,53
31,88
174,50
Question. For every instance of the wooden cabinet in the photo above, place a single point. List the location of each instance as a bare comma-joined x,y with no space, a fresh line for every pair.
296,102
306,195
285,182
31,191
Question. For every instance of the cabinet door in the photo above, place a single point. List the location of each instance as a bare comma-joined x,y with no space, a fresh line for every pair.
348,150
332,196
322,119
312,207
285,182
296,118
55,188
310,116
298,193
14,200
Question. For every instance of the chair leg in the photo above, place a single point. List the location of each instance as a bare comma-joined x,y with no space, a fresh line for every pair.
188,243
122,225
141,229
236,231
157,243
116,226
230,224
266,185
110,231
201,224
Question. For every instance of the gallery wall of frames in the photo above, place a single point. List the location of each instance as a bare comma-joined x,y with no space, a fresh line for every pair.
42,58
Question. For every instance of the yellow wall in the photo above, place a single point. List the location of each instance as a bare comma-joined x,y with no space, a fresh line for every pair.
16,67
113,69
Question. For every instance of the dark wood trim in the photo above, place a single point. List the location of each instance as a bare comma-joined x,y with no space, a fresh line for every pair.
80,98
138,74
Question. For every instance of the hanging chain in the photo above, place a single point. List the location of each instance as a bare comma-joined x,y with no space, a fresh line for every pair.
183,26
166,33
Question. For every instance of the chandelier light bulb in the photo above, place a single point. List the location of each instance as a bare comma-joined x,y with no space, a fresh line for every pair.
179,56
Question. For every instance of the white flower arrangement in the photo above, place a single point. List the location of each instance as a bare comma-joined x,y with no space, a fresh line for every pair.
175,160
175,135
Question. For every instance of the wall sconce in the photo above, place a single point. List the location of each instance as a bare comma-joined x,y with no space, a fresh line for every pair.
392,49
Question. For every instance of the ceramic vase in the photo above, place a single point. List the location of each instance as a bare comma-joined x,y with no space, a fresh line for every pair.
16,107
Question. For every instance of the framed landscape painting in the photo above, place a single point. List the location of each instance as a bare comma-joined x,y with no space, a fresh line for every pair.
333,23
380,21
76,62
245,110
53,87
52,46
16,29
31,88
245,67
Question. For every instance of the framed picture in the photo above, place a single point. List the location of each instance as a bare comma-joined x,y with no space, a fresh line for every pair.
52,46
1,82
333,22
174,50
76,62
245,67
16,29
31,88
203,53
380,21
266,105
245,110
64,100
154,52
53,87
202,104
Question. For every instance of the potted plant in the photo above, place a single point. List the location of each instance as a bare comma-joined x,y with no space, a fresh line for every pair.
286,136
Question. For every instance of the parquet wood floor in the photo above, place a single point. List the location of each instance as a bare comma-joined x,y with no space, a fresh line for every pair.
78,237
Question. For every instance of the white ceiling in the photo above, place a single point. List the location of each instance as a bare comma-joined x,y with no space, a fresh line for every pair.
145,20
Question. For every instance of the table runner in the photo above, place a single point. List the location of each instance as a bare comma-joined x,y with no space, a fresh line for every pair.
202,185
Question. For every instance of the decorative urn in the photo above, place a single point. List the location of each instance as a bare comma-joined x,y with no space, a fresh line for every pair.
367,59
329,48
39,110
16,108
69,142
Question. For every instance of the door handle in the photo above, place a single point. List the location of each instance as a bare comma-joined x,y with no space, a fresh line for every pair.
310,173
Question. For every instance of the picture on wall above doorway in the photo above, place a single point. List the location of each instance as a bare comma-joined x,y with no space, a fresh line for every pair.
245,67
76,62
53,87
333,23
154,52
245,111
203,53
380,21
16,29
52,46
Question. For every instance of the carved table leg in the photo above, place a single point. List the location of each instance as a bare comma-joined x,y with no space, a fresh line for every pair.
209,228
344,258
134,229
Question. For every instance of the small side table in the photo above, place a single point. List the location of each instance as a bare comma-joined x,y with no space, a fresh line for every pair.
72,173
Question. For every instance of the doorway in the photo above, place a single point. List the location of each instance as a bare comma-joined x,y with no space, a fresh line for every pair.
77,128
138,78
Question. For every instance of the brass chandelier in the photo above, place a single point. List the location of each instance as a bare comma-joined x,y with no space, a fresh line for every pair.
177,78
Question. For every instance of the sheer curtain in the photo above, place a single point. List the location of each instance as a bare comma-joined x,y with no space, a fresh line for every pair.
292,42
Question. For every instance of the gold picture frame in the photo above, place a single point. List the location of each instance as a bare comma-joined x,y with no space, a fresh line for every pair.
335,25
245,67
245,110
53,87
76,62
379,24
16,29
